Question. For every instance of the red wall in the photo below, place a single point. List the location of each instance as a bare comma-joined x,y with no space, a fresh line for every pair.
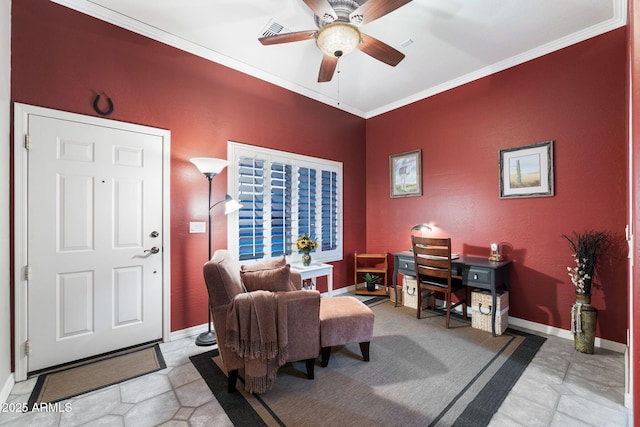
576,97
62,58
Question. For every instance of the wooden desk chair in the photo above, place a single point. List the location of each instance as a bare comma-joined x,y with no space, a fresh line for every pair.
432,258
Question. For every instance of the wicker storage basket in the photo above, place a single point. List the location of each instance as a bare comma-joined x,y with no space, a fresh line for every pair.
392,294
410,292
481,309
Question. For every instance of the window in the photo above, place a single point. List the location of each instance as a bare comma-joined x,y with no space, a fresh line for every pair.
283,195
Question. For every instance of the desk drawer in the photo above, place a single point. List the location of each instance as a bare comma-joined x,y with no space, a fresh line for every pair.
475,275
406,266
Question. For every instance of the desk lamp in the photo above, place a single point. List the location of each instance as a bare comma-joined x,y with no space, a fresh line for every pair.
422,228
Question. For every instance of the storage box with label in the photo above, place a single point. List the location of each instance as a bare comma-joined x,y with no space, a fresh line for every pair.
482,309
410,292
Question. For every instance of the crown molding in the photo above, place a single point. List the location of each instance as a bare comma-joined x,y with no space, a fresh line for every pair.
618,19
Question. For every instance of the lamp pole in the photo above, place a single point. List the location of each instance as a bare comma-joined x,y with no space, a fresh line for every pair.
211,167
208,338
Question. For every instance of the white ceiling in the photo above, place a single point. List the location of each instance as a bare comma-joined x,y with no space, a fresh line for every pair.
454,41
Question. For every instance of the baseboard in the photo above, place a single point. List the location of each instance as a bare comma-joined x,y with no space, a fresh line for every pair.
6,388
189,332
628,401
517,323
533,326
514,322
346,289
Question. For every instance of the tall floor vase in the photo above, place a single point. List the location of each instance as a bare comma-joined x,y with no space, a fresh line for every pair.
583,323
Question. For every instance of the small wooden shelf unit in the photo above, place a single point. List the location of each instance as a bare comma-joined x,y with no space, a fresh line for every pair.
373,264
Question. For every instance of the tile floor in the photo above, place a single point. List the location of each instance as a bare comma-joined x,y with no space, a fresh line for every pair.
560,387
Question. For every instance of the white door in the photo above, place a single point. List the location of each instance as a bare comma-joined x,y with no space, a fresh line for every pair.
94,239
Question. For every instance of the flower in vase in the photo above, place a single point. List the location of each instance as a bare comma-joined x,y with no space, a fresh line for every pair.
306,243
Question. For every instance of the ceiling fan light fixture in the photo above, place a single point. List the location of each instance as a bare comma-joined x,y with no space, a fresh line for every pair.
338,39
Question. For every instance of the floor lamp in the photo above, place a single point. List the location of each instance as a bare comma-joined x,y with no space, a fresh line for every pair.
211,167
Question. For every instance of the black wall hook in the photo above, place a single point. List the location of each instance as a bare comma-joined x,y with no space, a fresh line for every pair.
97,108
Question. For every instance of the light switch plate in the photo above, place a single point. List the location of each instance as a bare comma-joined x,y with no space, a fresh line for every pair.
197,227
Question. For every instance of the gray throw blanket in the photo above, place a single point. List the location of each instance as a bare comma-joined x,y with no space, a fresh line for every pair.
257,332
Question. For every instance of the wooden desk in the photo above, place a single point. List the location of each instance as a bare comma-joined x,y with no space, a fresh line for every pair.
314,270
476,272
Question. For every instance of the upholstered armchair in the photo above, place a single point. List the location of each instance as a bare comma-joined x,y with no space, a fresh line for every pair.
229,285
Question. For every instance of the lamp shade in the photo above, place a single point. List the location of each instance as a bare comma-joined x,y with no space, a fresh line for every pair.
231,205
209,165
338,39
421,228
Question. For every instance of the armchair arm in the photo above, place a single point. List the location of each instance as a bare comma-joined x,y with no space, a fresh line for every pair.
303,324
296,279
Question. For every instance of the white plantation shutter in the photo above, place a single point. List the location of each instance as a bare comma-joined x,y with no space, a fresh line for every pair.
250,193
281,242
329,210
307,201
283,195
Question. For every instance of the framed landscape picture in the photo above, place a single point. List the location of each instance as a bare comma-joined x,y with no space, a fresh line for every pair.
405,170
527,171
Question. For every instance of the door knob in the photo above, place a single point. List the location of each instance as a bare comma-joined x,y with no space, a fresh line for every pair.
153,250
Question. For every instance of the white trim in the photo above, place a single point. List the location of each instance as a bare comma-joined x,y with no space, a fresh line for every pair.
517,323
193,331
514,322
619,19
6,388
122,21
629,378
21,114
237,150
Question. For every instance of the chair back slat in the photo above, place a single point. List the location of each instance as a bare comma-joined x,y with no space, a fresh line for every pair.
432,259
430,271
432,256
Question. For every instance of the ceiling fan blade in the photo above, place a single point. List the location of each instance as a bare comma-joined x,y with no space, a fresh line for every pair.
380,51
374,9
327,67
296,36
322,9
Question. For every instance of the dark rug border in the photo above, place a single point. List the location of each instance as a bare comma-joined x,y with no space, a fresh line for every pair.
486,403
477,413
37,389
238,409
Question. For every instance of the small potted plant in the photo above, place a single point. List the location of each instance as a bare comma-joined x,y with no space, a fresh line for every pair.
371,280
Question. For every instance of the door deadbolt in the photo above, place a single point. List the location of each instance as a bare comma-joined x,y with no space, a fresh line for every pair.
154,234
153,250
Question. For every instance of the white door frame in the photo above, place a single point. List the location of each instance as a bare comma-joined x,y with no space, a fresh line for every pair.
20,114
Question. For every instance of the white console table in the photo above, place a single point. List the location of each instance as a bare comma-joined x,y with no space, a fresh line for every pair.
314,270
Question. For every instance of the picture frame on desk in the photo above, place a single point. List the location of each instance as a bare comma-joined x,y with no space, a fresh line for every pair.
527,171
405,174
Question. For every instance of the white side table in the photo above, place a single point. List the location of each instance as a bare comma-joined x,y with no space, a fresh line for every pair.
316,269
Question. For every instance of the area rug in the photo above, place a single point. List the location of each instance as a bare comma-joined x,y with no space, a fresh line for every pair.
420,373
93,375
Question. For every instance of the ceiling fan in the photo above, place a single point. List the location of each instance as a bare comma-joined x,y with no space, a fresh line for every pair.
338,32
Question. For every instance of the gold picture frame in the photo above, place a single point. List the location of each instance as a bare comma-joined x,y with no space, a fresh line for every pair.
405,174
527,171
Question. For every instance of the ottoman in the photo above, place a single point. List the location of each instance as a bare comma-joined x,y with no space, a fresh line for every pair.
344,320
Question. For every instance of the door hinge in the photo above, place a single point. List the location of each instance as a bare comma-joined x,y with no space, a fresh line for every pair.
27,272
27,141
27,347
